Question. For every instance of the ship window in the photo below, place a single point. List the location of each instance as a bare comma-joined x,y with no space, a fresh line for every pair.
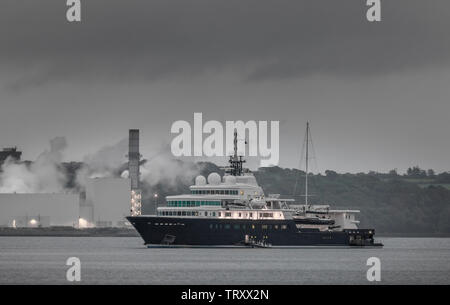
253,227
213,213
222,192
275,227
183,213
264,227
179,213
251,214
236,227
220,214
210,225
239,214
227,226
283,227
227,214
227,192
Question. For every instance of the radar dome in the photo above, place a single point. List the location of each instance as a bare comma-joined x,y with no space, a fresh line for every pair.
230,179
200,180
214,178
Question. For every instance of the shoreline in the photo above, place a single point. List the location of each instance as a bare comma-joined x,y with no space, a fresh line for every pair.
70,232
131,232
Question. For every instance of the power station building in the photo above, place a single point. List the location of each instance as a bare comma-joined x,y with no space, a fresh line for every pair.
38,210
105,202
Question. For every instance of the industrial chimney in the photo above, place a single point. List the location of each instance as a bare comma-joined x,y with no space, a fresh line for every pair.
133,169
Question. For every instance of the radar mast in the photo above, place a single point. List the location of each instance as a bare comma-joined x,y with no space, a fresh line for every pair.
235,161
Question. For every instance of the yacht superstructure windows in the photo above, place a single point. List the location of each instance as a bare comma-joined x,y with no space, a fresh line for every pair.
214,192
214,213
192,203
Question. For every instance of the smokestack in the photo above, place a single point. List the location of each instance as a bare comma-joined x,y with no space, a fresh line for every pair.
133,169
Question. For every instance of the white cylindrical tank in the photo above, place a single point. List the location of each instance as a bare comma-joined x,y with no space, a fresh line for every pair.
214,178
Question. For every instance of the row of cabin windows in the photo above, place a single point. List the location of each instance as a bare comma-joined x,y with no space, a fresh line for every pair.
215,192
228,226
191,203
187,213
247,226
205,213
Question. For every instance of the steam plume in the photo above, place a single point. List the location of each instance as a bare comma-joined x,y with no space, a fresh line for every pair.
45,175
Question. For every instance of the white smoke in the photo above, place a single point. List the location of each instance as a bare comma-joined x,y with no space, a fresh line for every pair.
103,163
46,175
163,168
160,167
41,176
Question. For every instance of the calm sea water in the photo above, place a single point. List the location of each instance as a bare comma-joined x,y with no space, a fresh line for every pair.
116,260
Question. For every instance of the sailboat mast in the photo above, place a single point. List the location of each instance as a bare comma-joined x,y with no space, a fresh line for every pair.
306,165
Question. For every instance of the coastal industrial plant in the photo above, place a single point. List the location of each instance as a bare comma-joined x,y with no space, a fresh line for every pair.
102,202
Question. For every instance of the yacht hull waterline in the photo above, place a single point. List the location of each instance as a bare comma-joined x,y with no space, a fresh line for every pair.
164,231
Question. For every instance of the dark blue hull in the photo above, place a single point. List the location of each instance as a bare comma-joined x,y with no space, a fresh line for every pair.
176,231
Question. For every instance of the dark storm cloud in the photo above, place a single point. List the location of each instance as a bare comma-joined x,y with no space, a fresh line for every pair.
261,39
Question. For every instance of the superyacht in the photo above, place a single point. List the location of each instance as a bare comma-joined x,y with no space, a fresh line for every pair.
234,211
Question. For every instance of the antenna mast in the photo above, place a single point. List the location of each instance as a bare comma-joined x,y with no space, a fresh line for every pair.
236,161
306,165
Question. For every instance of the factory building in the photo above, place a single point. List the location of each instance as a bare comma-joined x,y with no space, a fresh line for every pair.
106,202
10,152
38,210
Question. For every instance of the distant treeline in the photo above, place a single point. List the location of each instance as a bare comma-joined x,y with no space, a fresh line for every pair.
390,203
417,202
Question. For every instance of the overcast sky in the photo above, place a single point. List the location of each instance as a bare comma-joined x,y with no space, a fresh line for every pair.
377,94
